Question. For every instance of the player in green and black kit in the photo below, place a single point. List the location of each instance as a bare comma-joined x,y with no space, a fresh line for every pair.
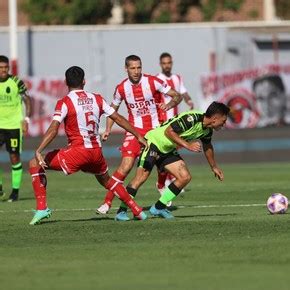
12,123
189,130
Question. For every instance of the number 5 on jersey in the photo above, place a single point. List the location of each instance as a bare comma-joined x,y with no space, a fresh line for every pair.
90,121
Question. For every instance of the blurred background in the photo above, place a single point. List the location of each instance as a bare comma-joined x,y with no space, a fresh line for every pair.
234,51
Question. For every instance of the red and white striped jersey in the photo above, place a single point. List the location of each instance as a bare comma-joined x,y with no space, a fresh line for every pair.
81,112
175,81
142,100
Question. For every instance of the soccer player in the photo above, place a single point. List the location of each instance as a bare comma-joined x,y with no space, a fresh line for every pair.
176,82
142,94
188,130
12,123
80,111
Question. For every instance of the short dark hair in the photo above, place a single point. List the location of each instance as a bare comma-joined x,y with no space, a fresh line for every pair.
4,58
217,108
132,57
165,54
74,77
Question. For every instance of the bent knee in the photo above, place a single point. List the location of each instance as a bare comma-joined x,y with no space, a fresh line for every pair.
185,179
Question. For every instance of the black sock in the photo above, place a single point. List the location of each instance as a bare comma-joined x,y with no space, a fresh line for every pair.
15,191
174,189
131,191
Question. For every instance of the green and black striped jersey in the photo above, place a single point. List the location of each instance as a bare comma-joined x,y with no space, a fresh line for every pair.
11,114
187,125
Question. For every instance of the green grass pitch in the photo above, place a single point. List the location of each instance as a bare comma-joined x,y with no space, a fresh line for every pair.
222,237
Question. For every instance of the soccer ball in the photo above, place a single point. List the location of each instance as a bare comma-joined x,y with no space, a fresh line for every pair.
277,203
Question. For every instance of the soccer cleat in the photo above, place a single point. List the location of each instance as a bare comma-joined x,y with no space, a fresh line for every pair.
164,213
40,215
122,216
103,209
13,197
141,216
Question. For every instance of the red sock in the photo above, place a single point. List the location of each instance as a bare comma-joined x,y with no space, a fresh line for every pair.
120,191
161,179
39,186
118,177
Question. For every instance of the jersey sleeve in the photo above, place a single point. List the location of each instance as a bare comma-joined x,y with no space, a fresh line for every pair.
161,86
117,99
182,88
60,111
207,138
21,87
108,110
184,123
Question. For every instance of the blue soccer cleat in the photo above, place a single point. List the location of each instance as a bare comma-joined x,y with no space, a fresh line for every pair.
164,213
40,215
122,216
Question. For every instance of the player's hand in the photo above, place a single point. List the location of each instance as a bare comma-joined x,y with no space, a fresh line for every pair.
190,104
218,173
164,107
194,146
40,160
143,141
25,126
105,135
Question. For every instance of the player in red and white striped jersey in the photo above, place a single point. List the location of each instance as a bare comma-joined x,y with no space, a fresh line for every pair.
80,111
142,96
175,81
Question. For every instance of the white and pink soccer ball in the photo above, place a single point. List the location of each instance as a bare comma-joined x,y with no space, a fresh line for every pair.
277,203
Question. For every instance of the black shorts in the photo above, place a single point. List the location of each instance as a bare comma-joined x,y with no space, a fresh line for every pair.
152,156
12,138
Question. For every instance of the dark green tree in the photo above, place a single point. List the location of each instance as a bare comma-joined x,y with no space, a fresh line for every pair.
67,11
283,9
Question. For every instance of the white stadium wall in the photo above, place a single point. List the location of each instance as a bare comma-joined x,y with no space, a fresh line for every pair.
101,50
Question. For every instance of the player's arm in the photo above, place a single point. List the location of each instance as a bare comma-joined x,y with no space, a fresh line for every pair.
174,137
209,154
49,135
187,99
122,122
176,99
109,124
27,101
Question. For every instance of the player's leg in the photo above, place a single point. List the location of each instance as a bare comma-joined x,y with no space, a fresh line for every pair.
98,166
14,146
119,176
2,141
179,170
146,162
119,190
39,183
140,177
130,151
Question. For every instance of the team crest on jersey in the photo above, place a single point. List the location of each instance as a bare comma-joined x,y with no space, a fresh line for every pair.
190,119
8,90
244,112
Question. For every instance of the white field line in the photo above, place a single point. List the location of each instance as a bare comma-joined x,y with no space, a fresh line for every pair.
115,208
